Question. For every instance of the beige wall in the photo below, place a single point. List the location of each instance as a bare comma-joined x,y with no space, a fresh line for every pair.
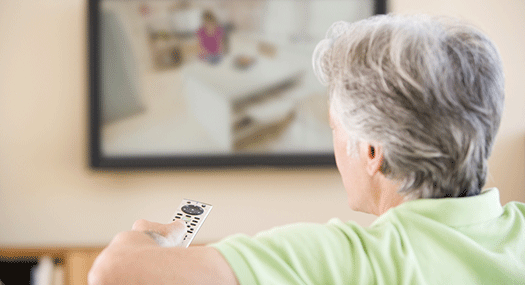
48,196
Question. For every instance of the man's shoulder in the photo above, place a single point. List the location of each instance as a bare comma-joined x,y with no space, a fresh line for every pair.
515,207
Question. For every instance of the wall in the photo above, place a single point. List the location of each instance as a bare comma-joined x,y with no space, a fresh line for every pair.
48,195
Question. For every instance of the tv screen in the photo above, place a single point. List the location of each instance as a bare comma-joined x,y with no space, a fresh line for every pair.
211,82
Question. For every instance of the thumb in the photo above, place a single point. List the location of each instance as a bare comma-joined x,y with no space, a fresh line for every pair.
175,232
175,228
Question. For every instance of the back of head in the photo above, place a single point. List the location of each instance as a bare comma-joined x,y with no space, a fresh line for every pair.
428,89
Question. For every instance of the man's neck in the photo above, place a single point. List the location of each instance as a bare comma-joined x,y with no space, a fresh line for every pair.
388,197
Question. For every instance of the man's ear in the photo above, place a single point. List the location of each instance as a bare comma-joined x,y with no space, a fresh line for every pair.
374,158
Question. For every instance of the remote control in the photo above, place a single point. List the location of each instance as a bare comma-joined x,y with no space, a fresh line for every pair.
193,213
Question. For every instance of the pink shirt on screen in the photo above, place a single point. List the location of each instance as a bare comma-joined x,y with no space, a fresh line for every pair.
211,43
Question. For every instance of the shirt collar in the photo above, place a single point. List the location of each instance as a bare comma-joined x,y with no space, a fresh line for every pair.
456,212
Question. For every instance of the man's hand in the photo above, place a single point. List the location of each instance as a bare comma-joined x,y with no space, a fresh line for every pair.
166,235
134,257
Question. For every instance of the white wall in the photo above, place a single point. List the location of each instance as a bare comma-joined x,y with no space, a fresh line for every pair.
48,195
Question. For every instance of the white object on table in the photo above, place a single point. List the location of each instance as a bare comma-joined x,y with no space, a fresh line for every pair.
213,90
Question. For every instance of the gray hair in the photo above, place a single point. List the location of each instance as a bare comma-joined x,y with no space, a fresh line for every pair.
429,90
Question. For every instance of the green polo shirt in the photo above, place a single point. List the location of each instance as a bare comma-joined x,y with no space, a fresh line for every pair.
471,240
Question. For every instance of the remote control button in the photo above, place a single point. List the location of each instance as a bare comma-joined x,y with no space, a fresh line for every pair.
192,209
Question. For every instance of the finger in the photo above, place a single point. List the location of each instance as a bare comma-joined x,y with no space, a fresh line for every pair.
175,232
163,229
144,225
176,226
171,234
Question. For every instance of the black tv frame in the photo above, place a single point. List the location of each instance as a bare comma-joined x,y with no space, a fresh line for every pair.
98,161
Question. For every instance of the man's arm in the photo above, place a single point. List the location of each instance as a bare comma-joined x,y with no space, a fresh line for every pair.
133,257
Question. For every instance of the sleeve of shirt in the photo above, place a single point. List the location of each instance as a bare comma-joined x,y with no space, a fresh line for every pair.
299,254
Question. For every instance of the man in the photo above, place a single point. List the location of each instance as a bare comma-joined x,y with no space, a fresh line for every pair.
415,104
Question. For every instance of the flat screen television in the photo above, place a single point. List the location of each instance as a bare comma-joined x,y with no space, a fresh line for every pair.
209,83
